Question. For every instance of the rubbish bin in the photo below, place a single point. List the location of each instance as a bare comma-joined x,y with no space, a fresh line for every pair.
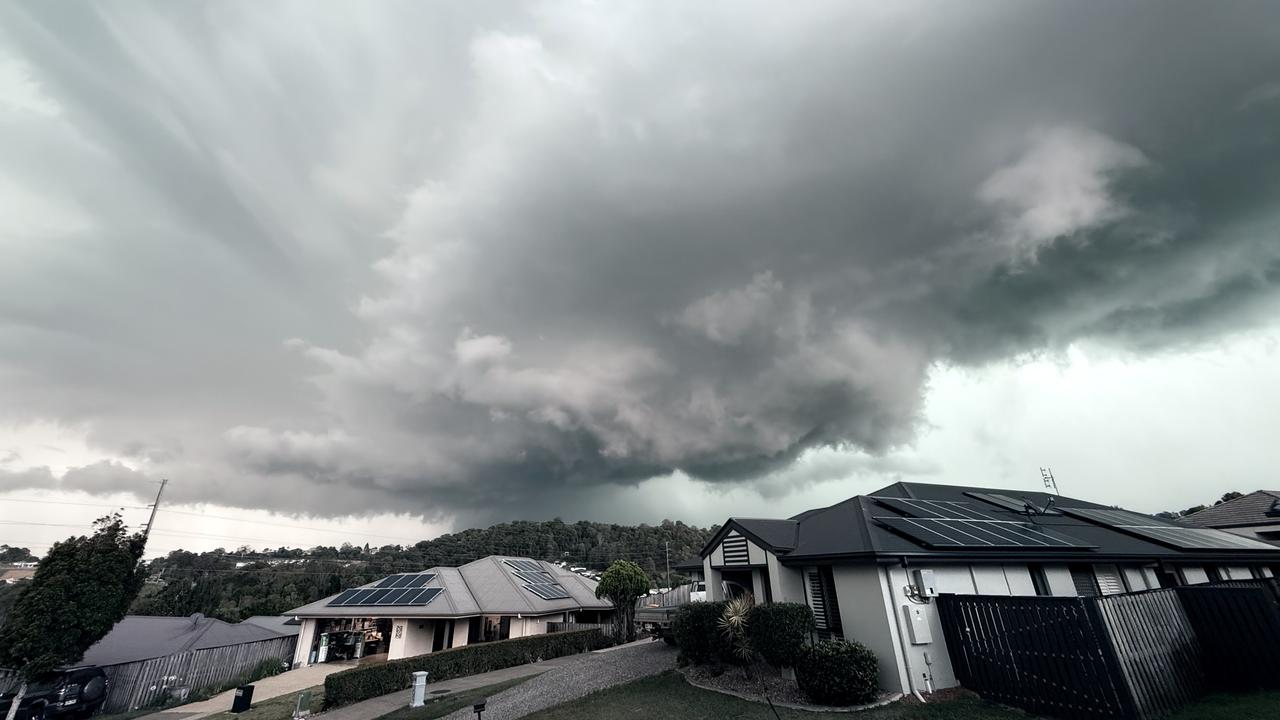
243,699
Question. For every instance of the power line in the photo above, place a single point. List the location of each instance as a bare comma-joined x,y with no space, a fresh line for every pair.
71,502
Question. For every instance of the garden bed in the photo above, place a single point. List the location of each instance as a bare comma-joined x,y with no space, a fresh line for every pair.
782,692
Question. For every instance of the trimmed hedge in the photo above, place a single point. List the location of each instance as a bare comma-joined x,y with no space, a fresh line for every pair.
832,672
696,628
362,683
780,631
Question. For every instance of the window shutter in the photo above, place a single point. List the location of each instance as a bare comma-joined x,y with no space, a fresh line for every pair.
1109,581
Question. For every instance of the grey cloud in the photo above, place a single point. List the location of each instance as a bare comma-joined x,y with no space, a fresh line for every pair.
517,256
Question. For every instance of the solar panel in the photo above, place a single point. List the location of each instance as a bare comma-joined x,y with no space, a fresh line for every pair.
342,598
525,565
938,509
547,591
1175,536
949,533
535,578
405,580
1007,502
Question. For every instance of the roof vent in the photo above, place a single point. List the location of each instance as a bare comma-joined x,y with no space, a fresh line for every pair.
1274,510
196,618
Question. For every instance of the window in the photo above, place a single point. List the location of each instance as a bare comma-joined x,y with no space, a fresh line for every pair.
1039,580
1213,572
1086,584
821,587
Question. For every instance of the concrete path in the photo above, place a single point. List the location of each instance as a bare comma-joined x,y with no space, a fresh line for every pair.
286,682
379,706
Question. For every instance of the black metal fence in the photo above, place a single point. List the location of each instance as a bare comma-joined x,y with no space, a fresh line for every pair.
1140,655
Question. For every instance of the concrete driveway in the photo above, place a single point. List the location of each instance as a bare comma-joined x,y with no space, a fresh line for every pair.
283,684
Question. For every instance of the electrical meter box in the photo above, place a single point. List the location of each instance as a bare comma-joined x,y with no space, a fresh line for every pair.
925,586
917,624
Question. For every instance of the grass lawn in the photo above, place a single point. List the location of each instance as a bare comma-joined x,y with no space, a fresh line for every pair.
1243,706
443,705
276,708
668,695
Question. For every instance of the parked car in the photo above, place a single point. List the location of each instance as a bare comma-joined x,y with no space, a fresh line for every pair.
70,694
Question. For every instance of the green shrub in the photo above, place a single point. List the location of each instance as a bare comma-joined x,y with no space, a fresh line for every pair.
362,683
696,628
780,631
832,672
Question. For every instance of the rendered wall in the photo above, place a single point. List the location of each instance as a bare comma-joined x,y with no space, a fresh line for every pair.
861,598
306,636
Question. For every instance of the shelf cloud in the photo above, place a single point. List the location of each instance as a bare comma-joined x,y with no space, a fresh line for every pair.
467,261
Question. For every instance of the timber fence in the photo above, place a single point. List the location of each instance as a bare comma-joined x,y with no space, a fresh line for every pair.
1140,655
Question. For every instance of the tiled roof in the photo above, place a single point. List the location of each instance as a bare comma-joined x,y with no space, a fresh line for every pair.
1248,509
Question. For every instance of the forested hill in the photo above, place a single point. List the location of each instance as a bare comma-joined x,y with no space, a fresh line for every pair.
235,584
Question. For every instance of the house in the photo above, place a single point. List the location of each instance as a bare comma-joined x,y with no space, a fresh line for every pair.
1256,515
12,576
869,566
493,598
283,624
149,659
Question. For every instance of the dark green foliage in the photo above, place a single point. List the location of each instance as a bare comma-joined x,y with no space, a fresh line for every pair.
622,584
15,554
82,588
696,627
779,631
833,672
8,596
362,683
276,581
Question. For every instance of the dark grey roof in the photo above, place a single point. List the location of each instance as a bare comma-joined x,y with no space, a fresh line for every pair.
283,624
774,533
1246,510
140,637
848,529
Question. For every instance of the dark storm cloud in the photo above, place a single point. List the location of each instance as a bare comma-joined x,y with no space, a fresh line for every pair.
615,241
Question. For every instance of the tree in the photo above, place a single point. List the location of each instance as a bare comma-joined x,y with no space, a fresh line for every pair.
622,584
1229,496
81,589
14,554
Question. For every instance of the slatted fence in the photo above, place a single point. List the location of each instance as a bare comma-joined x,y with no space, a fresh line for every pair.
1046,655
148,682
1239,631
1141,655
609,629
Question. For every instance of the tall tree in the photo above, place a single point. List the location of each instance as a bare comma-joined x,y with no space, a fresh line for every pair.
81,589
623,583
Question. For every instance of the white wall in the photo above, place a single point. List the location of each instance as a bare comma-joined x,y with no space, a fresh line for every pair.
461,628
714,591
410,637
306,636
1059,577
862,597
1194,575
787,582
1236,573
1136,578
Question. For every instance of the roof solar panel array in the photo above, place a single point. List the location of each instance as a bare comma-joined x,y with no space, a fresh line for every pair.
386,596
1175,536
537,580
954,533
939,509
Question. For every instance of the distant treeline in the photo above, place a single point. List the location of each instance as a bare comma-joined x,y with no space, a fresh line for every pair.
236,584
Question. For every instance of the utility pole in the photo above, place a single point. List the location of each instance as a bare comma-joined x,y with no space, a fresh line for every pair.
667,546
154,506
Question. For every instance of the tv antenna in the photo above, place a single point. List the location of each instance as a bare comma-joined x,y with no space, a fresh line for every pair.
1046,474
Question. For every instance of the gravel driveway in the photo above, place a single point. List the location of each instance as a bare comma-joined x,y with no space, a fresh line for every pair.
583,675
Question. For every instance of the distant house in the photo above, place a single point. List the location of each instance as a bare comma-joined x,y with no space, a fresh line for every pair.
1256,515
494,598
13,575
868,566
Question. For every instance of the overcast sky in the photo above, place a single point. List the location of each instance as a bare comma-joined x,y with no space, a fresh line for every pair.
374,271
